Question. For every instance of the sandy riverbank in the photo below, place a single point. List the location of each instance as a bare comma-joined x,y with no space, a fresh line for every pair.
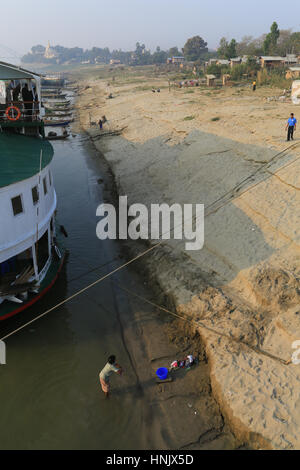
244,284
181,414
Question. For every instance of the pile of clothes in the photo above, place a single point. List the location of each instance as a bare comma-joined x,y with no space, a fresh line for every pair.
185,363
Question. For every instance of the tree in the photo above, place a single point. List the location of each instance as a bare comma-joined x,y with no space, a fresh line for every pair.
38,49
194,48
252,65
223,47
174,52
159,56
232,49
214,69
244,45
238,71
288,42
271,40
227,50
295,42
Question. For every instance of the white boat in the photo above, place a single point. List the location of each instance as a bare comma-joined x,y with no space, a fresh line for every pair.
31,255
20,100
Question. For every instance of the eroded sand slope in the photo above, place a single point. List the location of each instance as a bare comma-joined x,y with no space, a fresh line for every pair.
244,285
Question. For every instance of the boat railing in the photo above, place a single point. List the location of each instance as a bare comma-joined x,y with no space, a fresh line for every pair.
14,111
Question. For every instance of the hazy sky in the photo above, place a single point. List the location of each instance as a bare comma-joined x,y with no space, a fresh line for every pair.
121,23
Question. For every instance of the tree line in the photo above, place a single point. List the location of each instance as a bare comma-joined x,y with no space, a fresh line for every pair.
276,42
194,49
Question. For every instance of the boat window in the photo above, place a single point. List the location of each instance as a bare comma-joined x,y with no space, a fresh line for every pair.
17,205
35,195
45,186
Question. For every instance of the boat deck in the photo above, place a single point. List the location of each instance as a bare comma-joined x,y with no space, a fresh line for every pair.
20,157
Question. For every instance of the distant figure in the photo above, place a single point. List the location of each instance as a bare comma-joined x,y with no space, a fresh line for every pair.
16,92
153,90
254,85
158,90
106,372
36,105
27,96
100,124
291,127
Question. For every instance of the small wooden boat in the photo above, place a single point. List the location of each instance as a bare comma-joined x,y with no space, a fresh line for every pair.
54,136
51,123
53,82
62,105
56,103
59,110
58,114
54,91
57,137
54,96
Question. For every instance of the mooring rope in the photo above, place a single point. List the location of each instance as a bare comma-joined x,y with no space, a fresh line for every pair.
145,252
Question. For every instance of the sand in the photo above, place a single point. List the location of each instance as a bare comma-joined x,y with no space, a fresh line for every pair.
242,289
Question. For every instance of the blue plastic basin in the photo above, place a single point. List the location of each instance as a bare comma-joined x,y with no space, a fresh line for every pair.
162,373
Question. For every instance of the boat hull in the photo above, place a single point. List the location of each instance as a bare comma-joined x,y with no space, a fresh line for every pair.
10,309
57,124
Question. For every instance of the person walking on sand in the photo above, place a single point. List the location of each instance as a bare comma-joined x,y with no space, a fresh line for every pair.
106,372
100,124
254,85
291,127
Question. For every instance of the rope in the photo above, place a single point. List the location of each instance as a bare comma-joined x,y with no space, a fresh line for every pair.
60,304
144,253
202,325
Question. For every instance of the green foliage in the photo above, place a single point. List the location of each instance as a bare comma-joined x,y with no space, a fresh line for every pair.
227,50
250,46
222,50
275,78
159,56
271,40
238,71
174,52
194,48
218,70
39,49
276,42
232,49
252,65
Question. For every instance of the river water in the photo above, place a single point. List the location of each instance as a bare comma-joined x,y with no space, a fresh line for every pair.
50,395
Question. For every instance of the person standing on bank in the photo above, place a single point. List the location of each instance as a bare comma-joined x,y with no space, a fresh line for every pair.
291,127
106,372
254,85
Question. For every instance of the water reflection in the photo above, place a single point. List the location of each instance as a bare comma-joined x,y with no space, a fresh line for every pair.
50,393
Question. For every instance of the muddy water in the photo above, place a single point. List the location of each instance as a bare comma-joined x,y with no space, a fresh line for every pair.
49,392
49,389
